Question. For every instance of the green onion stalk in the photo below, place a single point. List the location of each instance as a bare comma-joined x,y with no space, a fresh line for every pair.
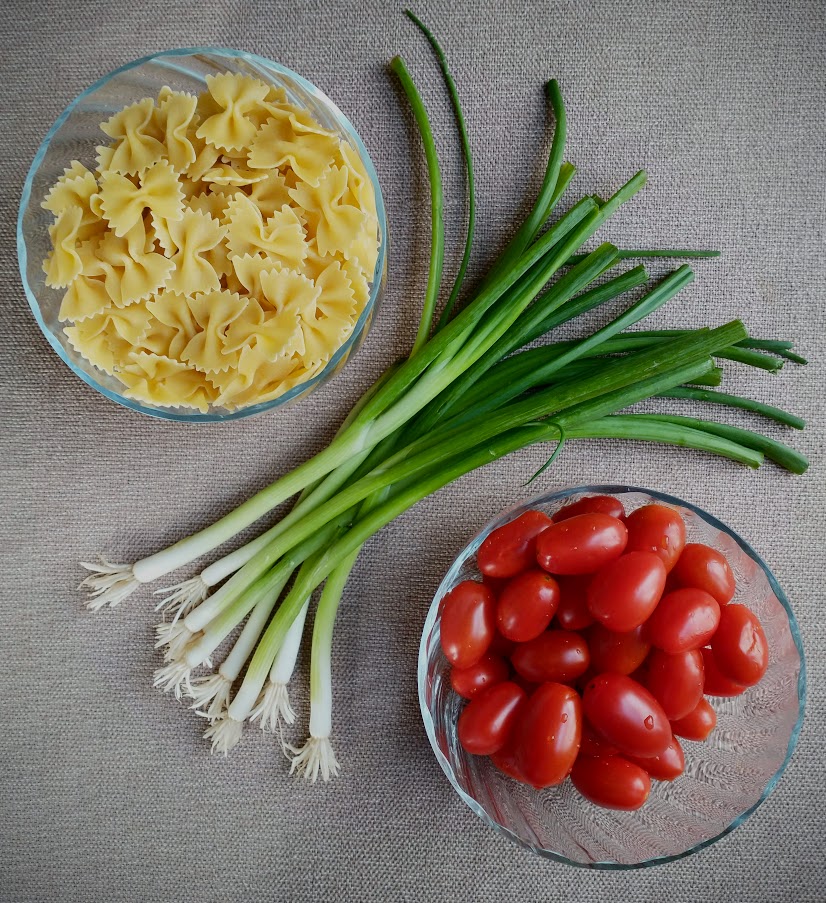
471,391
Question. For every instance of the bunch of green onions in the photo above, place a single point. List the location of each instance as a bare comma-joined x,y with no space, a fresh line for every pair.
467,395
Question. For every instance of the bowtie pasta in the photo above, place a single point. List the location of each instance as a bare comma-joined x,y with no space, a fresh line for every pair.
221,251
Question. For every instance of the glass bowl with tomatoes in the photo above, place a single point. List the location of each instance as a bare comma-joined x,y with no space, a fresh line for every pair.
611,677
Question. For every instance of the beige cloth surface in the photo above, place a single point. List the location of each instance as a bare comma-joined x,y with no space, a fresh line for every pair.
107,791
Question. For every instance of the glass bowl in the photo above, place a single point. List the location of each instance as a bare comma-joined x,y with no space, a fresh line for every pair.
726,777
75,135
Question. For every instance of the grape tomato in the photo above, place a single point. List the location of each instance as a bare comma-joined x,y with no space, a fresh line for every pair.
489,670
505,760
555,655
611,782
581,544
511,548
623,593
676,681
622,653
715,682
487,720
739,645
625,714
592,504
667,766
526,605
702,567
467,623
592,745
548,733
697,724
658,529
685,619
572,613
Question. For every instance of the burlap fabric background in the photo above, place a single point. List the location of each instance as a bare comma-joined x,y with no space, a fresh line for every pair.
107,791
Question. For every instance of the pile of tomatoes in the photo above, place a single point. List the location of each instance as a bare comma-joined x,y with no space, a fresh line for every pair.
590,644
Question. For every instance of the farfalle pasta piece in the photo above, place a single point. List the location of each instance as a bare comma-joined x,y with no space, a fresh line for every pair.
287,290
336,223
87,294
165,382
365,248
89,253
193,236
270,193
220,261
77,187
175,114
72,189
99,342
89,339
229,174
248,270
213,205
361,194
293,297
327,326
281,237
276,336
130,323
132,273
278,143
285,238
256,379
206,156
190,188
63,263
229,386
213,312
172,312
84,298
157,233
103,158
231,283
358,281
236,96
158,339
302,120
232,385
244,328
315,263
158,191
269,384
135,132
358,182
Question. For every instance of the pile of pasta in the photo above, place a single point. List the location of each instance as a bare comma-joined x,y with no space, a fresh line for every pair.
221,252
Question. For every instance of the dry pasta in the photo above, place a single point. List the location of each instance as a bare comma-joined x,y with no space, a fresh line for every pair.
220,252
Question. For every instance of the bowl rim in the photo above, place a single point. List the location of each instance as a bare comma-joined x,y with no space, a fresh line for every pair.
361,325
607,489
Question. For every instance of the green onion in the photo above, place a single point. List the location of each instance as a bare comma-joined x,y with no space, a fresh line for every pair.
437,242
464,141
634,254
776,451
636,427
736,401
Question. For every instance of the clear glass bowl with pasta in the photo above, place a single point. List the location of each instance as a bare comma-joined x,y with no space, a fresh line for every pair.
727,776
69,307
